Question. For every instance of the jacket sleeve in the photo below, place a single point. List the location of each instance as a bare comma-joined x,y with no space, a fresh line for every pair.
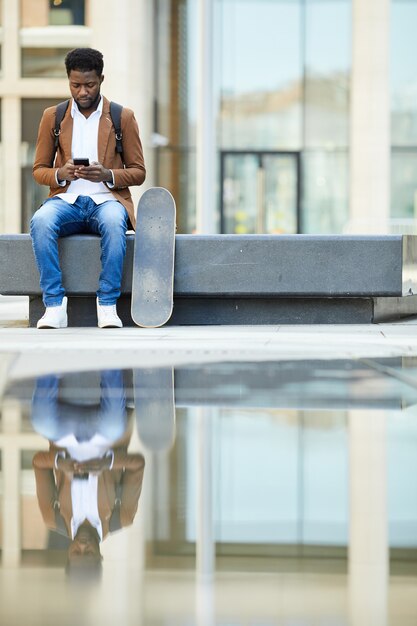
43,171
43,463
134,466
134,172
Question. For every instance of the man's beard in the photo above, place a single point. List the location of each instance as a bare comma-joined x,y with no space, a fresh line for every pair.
90,105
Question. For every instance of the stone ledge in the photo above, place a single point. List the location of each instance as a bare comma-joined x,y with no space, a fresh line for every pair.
249,311
237,266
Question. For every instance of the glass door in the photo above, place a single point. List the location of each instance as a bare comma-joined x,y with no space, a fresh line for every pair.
260,192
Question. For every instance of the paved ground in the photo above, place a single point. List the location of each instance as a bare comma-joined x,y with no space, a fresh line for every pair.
31,351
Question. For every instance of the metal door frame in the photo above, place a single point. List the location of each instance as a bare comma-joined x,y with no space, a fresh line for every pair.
259,154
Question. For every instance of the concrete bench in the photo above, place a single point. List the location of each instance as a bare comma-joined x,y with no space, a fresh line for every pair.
248,279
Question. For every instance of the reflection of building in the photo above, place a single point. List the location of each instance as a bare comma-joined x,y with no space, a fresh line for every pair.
304,134
282,471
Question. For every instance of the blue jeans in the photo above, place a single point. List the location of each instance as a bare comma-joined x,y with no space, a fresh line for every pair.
55,419
56,218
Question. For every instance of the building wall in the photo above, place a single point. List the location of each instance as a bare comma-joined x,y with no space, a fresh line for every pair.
34,42
323,94
34,13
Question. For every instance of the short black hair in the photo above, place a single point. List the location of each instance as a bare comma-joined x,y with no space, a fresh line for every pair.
84,60
81,573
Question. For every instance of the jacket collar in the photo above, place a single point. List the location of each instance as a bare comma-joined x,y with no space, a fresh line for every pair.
104,130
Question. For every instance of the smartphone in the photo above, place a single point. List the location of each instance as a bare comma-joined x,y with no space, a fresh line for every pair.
81,162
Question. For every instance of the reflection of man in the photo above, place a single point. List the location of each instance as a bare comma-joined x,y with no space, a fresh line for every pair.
88,485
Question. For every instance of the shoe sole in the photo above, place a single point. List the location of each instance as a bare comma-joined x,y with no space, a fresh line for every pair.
40,326
44,326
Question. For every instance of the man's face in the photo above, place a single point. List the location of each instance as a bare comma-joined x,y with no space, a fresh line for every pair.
85,89
84,546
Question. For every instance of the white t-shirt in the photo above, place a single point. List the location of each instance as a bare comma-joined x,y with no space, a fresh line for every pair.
85,144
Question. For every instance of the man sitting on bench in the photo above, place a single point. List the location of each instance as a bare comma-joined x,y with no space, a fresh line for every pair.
93,198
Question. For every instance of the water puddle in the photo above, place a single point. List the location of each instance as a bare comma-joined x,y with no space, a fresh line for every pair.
279,492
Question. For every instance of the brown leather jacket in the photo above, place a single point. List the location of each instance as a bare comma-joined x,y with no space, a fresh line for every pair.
121,486
131,173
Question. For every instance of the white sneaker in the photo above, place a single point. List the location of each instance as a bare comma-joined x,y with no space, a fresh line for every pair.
107,316
54,316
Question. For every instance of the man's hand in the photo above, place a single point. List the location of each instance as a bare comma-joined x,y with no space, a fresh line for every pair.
67,465
67,172
95,466
94,172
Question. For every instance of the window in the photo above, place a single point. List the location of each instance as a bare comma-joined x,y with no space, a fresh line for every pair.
66,12
38,13
44,62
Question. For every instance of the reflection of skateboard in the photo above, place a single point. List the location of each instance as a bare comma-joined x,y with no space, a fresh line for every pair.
153,261
155,407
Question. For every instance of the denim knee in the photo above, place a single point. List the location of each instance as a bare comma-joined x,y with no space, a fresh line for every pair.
114,224
34,223
112,218
40,223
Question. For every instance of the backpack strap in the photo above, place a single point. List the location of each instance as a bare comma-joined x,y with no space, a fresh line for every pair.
60,526
116,118
115,522
61,109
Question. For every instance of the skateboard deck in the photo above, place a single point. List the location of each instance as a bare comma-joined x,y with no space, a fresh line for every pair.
154,397
153,260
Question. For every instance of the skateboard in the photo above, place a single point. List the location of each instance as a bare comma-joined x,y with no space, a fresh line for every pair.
153,260
154,397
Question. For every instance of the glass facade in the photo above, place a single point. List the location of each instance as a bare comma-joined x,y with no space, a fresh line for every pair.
282,112
260,95
403,116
